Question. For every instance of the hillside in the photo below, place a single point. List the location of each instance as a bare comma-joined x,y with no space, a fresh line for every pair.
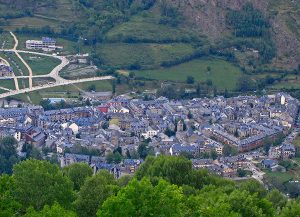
256,37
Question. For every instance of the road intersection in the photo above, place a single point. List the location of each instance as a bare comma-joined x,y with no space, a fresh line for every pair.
59,81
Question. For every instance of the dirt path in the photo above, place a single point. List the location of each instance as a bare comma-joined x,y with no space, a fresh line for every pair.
22,60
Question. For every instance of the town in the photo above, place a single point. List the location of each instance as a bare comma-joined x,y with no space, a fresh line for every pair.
227,136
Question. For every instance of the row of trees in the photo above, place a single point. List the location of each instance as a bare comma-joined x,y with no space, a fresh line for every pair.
163,186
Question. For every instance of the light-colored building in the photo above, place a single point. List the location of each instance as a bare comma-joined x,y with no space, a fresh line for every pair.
46,44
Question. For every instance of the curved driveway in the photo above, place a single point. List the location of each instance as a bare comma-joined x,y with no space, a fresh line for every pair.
53,74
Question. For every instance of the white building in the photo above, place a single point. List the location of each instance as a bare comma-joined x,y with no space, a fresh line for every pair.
46,44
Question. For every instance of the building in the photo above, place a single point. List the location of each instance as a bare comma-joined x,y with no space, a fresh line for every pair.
46,44
5,71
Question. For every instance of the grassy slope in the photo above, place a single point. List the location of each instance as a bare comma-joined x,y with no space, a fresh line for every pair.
6,40
223,74
145,26
16,64
147,55
40,65
8,84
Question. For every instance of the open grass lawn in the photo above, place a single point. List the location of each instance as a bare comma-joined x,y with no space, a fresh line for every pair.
289,82
281,177
223,74
6,40
146,55
23,83
32,22
8,84
16,64
100,85
41,65
297,159
2,91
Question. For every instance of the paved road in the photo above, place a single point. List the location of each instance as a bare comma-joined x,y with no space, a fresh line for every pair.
5,61
22,60
53,74
62,83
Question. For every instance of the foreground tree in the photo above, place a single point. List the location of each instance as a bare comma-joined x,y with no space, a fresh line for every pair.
78,173
40,183
292,209
94,192
8,154
8,205
141,198
53,211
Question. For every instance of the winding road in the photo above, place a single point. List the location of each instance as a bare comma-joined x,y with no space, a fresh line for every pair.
59,81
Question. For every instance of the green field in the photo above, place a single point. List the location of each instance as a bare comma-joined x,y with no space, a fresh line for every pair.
9,84
2,91
32,22
23,83
6,40
279,176
41,65
70,91
122,55
289,82
223,74
146,27
16,64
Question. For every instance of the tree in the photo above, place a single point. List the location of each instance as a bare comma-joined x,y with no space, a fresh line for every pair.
241,173
143,150
292,209
253,187
213,154
94,192
176,170
8,205
229,150
245,83
278,199
92,88
114,158
78,173
141,198
40,183
190,80
32,152
53,211
8,154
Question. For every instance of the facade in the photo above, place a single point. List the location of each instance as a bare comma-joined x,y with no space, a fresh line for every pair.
46,44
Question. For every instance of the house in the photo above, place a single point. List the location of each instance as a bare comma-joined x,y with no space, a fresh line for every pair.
269,163
275,152
150,133
287,151
177,149
111,168
74,127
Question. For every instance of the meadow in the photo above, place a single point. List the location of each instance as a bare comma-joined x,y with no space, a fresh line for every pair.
41,65
223,74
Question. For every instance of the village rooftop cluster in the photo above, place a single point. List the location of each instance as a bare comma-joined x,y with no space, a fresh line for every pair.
195,128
